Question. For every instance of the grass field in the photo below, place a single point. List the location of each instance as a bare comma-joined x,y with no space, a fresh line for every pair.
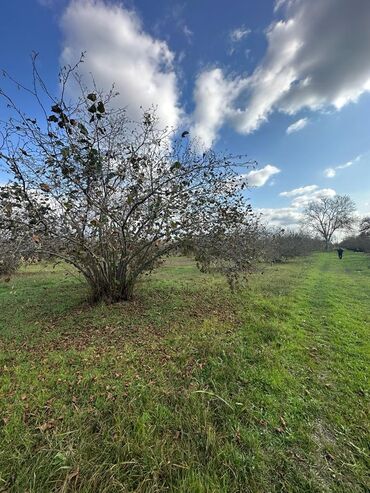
188,388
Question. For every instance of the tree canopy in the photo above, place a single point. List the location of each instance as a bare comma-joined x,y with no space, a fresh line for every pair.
328,215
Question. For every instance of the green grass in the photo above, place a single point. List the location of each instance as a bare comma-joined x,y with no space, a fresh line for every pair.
188,388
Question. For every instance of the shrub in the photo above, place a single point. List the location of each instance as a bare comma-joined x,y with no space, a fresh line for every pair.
111,196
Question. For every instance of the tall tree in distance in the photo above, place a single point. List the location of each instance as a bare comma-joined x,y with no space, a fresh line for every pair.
328,215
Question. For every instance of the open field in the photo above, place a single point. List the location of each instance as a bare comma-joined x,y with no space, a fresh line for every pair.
189,388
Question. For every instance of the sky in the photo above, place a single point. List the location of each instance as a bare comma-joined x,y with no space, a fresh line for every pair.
286,82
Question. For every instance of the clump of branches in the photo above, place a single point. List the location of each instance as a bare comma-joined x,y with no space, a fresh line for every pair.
280,245
365,227
230,251
14,244
10,256
111,196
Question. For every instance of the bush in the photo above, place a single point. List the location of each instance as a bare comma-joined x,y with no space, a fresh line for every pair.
110,196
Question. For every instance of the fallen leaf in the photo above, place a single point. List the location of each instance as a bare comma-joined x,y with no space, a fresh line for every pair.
46,426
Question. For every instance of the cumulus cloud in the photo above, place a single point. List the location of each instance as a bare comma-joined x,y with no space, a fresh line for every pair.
303,195
296,126
258,178
120,51
331,172
299,191
291,216
317,57
288,217
212,94
305,198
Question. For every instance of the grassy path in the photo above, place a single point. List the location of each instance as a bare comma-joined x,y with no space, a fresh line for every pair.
189,389
328,353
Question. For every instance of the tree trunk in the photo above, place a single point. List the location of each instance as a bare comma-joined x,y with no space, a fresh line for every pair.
111,292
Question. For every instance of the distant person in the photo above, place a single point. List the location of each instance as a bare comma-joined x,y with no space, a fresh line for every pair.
340,252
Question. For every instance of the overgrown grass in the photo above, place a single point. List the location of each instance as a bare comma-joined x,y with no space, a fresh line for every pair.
188,388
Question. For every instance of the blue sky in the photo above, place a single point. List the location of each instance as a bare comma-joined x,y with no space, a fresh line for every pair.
286,82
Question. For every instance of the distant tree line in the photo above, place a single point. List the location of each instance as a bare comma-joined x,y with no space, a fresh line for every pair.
281,245
360,242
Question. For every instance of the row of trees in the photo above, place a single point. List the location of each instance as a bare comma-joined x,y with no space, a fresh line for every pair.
113,197
360,242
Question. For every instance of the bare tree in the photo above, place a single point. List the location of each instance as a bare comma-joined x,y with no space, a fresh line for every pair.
108,195
326,216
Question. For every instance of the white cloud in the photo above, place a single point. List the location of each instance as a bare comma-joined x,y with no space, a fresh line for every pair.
291,216
239,33
331,172
345,165
306,65
299,191
317,57
211,95
258,178
296,126
288,217
120,52
305,198
303,195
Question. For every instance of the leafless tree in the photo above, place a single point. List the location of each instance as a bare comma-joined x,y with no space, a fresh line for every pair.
328,215
110,196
